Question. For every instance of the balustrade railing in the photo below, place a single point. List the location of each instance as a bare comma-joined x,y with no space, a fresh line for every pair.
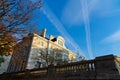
87,69
76,67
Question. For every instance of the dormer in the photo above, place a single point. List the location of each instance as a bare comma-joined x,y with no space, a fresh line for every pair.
60,41
51,37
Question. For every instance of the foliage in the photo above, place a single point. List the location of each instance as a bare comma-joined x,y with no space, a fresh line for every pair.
14,16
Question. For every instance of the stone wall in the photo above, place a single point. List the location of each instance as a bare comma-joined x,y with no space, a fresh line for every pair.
104,67
107,67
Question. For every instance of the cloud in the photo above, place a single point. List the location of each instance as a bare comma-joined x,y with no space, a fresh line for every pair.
115,37
71,14
87,26
77,12
111,13
59,26
103,8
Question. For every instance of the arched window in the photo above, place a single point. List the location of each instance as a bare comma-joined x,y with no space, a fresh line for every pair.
60,42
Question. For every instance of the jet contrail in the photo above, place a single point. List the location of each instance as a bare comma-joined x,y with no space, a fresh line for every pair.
87,26
55,21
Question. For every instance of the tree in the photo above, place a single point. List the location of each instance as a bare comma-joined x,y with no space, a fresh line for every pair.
14,16
52,56
80,58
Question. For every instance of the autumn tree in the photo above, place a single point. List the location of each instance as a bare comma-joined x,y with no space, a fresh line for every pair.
15,15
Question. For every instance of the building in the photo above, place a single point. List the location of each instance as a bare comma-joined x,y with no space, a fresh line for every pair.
4,65
32,52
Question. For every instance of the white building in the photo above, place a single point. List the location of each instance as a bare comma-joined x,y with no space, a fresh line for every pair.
28,54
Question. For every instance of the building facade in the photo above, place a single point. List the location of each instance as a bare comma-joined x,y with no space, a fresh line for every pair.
33,52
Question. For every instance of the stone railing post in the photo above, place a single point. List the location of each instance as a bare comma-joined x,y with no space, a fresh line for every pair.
51,72
105,67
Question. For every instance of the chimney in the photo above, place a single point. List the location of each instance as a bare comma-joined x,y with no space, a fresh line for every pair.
43,32
51,37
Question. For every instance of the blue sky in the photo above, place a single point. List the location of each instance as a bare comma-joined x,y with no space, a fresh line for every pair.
90,27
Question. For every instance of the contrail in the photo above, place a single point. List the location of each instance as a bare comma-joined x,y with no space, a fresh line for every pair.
55,21
87,26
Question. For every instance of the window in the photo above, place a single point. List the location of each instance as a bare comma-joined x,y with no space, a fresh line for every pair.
60,42
65,56
42,43
38,64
